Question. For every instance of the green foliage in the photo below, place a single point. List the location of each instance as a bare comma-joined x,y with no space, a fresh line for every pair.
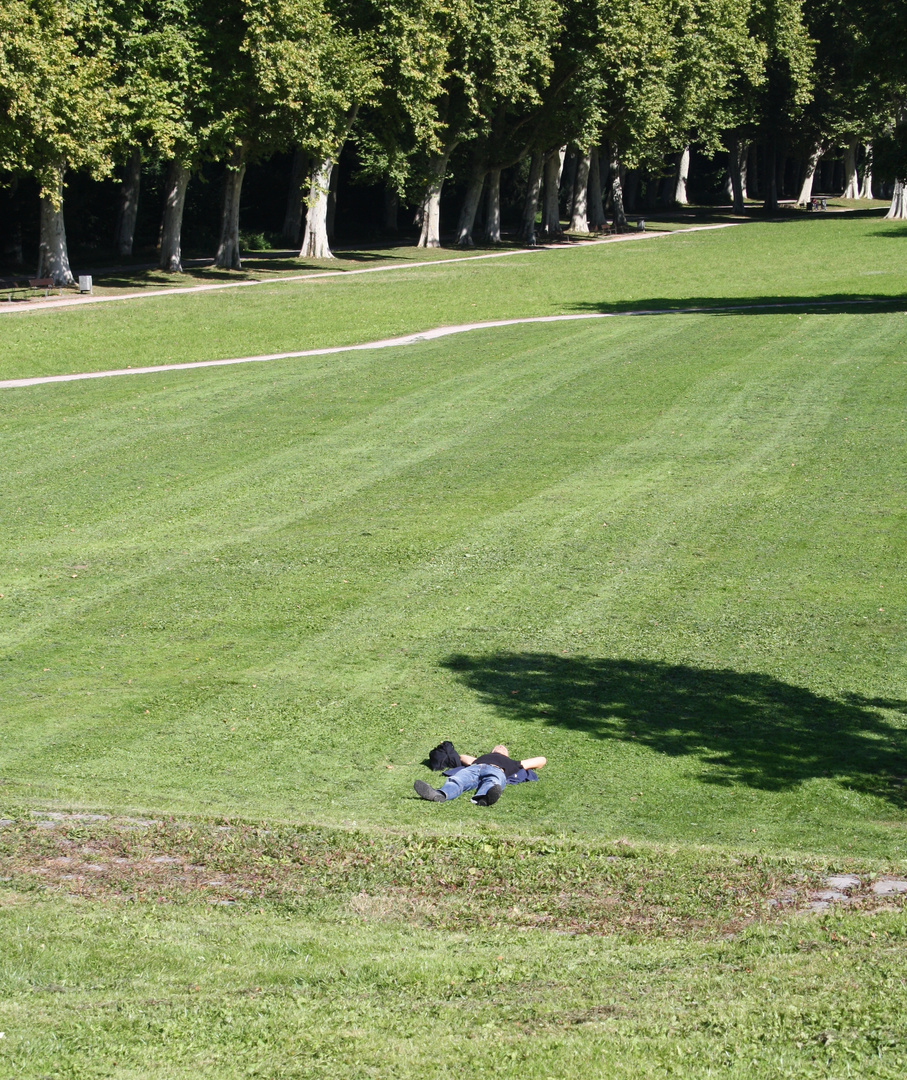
158,68
715,50
84,82
57,106
863,54
312,70
649,76
771,100
454,72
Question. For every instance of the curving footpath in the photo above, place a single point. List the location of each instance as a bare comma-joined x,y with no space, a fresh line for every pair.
440,332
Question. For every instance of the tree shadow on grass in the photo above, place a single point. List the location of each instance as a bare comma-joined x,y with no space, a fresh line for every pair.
744,727
839,304
895,231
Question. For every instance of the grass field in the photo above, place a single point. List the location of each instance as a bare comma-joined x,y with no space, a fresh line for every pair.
664,551
817,260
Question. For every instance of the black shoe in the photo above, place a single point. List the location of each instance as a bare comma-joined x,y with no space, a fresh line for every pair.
490,797
426,791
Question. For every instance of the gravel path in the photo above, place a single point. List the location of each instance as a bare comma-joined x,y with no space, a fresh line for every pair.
431,335
153,294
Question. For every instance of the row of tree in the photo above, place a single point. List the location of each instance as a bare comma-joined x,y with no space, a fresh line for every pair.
99,85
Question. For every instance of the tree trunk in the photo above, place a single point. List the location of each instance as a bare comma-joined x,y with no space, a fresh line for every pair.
783,173
597,219
812,162
617,193
551,206
391,207
728,184
851,180
315,243
753,190
124,233
430,236
579,221
292,218
650,199
331,221
227,257
493,207
825,176
737,154
681,177
13,247
526,233
471,201
172,223
568,180
322,200
53,256
866,186
479,223
898,209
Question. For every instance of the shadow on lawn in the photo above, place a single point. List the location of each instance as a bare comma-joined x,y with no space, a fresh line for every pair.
743,726
893,232
841,304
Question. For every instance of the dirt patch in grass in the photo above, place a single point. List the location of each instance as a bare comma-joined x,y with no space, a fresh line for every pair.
443,882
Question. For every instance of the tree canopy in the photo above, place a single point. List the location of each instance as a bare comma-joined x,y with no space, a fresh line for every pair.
86,83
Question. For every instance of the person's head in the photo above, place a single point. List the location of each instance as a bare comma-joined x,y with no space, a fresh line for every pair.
501,750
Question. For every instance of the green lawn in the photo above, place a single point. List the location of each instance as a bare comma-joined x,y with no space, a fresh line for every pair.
108,991
821,258
666,552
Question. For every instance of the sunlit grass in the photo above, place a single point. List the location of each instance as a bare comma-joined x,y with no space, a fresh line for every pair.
665,552
815,259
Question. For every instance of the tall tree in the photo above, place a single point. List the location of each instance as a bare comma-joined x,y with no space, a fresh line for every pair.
496,56
861,88
57,106
314,66
158,67
647,77
770,93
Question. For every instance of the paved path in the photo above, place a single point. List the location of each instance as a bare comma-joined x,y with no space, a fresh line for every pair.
440,332
154,294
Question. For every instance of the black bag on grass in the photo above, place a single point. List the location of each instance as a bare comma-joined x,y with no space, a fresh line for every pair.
443,757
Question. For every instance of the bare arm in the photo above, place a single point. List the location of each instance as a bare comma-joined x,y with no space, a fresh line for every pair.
465,759
533,762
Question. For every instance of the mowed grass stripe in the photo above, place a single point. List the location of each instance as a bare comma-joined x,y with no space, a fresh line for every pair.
513,450
837,258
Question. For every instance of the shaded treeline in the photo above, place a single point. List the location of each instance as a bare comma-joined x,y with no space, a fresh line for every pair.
286,116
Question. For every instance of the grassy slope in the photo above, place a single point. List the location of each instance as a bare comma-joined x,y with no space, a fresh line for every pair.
665,552
655,551
390,956
196,992
820,258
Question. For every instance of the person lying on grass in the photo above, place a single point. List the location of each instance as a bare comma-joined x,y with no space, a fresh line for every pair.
486,775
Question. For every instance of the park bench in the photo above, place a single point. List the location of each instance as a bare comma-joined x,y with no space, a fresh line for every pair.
45,283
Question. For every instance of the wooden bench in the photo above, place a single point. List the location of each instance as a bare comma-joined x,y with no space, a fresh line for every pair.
45,283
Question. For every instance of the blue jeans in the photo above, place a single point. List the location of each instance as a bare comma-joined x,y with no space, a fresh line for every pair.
478,778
